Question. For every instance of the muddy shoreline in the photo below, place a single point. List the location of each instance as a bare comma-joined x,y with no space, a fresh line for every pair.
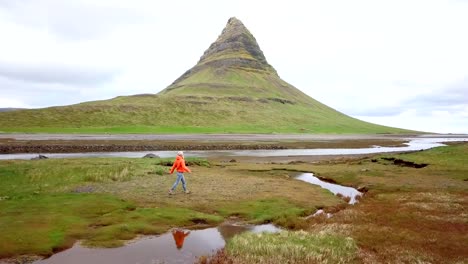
79,148
11,146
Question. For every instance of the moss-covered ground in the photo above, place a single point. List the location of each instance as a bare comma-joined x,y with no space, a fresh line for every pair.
46,205
187,112
408,215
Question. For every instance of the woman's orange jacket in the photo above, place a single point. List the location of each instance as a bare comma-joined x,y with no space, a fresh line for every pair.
179,165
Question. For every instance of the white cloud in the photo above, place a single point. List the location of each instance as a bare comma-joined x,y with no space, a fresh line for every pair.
73,20
431,121
7,102
55,74
389,60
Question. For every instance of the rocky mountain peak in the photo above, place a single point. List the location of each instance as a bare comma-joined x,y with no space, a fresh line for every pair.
236,42
235,49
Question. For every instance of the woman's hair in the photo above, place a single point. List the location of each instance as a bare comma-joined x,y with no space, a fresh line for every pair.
180,153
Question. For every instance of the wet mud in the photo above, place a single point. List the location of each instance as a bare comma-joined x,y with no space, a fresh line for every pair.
405,163
10,146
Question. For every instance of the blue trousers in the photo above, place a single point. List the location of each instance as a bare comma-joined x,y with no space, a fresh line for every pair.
180,177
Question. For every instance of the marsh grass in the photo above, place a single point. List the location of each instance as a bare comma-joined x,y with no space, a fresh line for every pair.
191,161
44,223
159,170
278,211
409,215
116,174
291,247
46,205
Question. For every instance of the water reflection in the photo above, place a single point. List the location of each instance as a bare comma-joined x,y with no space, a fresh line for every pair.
158,249
179,237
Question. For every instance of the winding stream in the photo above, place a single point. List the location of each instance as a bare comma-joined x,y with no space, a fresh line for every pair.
414,144
345,191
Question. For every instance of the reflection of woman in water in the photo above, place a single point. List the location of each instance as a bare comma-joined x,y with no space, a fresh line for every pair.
179,236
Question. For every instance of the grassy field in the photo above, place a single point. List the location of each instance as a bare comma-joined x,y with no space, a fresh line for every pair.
187,114
46,205
408,215
292,247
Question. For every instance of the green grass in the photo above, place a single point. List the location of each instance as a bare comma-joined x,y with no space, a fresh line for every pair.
191,161
292,247
44,223
182,116
261,211
445,164
46,205
409,215
22,178
450,161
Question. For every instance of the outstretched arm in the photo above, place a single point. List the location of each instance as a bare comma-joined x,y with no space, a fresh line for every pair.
173,167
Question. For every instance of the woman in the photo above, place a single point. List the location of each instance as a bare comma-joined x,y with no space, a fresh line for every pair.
180,168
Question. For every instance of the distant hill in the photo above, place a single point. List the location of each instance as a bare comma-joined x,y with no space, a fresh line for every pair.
9,109
232,89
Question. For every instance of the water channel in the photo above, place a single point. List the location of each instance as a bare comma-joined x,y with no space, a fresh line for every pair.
336,189
414,144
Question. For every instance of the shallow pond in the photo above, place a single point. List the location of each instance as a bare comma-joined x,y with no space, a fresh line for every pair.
413,145
166,248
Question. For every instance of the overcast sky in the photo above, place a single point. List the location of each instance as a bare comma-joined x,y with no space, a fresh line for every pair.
397,63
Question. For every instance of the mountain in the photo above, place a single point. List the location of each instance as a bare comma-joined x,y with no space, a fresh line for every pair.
9,109
232,89
234,68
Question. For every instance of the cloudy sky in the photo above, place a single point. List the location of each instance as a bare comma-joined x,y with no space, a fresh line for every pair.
397,63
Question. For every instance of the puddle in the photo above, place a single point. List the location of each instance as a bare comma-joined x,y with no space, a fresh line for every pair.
414,144
159,249
334,188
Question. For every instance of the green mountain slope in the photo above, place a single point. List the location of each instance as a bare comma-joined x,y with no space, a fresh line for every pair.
232,89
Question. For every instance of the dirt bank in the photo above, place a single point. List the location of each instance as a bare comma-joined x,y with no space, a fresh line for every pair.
210,137
73,143
23,145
